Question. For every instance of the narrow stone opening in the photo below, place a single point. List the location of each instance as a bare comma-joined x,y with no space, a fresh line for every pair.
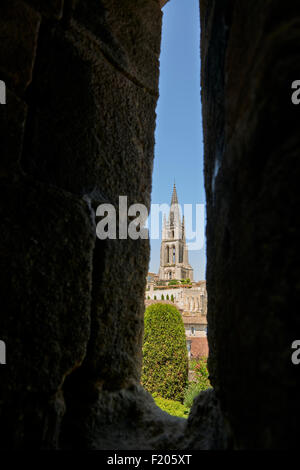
177,261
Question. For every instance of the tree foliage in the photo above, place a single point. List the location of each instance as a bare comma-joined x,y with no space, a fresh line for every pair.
201,373
174,408
201,382
165,359
185,281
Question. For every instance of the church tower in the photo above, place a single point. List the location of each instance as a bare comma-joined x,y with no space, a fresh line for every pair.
174,261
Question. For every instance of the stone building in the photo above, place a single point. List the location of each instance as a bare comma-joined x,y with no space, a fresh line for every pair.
174,258
191,302
152,278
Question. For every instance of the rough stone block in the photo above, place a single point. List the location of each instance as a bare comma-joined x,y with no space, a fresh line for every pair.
128,33
206,428
117,312
92,127
19,26
47,242
123,419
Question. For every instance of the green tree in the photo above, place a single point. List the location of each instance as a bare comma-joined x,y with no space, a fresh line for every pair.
172,298
201,373
155,297
168,298
201,382
162,297
165,359
174,282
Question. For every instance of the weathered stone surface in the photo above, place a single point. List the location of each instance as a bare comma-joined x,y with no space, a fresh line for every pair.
49,8
47,241
19,26
122,420
250,56
79,142
12,121
206,429
128,418
117,312
128,34
90,131
84,135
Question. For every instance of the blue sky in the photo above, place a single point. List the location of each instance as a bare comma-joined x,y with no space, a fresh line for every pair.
178,136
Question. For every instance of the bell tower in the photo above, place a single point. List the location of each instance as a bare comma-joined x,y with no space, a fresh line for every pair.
174,263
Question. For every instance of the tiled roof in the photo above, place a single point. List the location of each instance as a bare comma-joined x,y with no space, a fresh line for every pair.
199,347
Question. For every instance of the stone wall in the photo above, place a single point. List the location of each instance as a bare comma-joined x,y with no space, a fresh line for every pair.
77,130
250,57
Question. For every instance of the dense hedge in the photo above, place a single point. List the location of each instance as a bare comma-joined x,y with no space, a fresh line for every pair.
174,408
165,359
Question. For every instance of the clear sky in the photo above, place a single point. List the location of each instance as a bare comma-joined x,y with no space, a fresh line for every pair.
179,140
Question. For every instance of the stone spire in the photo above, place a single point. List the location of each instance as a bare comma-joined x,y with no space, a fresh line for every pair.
174,199
174,215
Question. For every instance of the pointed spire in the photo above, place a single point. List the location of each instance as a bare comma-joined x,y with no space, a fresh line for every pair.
174,215
174,199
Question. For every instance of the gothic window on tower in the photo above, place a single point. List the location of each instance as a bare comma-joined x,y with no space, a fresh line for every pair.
174,252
